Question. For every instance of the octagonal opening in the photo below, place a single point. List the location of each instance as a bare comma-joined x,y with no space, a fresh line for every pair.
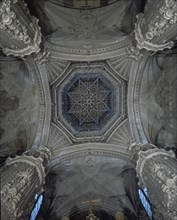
88,102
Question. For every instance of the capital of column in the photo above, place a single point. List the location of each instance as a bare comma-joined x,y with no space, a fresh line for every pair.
20,32
42,152
144,157
155,30
135,148
34,158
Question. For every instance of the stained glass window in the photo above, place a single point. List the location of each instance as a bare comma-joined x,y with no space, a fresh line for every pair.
143,195
39,199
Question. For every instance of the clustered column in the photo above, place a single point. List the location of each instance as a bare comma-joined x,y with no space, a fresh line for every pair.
157,171
156,28
21,178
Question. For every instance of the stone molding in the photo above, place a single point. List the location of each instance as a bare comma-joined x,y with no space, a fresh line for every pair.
99,149
136,74
40,73
89,55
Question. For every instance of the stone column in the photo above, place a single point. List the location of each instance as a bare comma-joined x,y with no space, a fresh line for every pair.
156,28
157,170
21,178
20,33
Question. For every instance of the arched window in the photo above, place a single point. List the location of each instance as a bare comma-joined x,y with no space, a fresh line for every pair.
37,206
144,199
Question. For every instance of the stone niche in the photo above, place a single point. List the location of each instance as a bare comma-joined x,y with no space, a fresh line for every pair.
88,101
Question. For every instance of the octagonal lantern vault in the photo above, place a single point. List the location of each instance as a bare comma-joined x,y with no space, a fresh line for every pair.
88,101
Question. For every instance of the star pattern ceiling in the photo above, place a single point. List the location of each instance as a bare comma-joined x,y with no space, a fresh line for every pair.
88,100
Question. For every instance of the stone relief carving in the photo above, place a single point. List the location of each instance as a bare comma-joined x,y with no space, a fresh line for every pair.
161,166
11,192
22,31
22,177
163,20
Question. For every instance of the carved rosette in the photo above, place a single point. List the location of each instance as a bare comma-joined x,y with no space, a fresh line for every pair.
21,178
156,30
20,33
157,171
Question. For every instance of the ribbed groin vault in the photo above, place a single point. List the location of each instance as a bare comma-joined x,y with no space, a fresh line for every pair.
88,118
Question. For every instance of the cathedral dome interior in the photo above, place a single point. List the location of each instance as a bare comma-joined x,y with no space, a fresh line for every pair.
88,109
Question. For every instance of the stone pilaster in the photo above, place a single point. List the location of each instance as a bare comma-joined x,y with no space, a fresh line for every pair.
156,169
21,178
20,33
156,28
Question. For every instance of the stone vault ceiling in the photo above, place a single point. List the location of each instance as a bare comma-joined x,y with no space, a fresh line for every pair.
94,99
